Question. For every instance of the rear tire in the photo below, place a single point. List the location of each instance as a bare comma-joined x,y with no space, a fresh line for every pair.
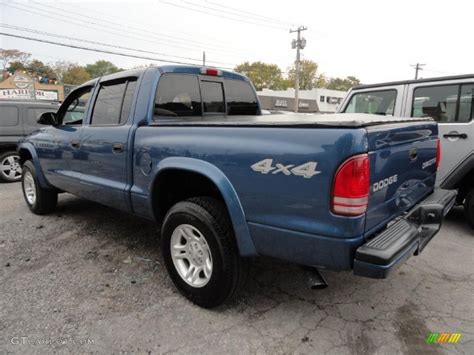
200,252
469,207
10,169
39,199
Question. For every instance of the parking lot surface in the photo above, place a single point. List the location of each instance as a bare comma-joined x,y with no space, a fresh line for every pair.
90,279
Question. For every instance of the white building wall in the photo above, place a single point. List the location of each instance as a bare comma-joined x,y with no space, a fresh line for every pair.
327,100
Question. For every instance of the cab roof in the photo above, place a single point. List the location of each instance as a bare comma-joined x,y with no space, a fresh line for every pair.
402,82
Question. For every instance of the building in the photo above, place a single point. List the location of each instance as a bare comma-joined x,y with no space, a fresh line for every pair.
315,100
21,86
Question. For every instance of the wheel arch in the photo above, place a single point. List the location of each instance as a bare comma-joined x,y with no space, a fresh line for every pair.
26,151
207,179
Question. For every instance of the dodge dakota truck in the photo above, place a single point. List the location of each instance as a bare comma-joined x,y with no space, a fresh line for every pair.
188,147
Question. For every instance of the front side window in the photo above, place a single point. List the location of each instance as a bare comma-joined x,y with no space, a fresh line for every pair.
75,110
177,96
108,105
375,102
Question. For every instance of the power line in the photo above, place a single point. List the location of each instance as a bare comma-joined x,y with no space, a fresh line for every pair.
220,16
95,42
102,20
99,50
79,22
250,13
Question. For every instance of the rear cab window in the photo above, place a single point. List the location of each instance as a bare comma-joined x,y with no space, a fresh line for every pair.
378,102
192,96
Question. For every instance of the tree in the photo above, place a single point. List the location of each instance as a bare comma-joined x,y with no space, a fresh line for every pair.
309,77
263,75
60,68
75,75
16,65
12,55
342,84
101,68
39,69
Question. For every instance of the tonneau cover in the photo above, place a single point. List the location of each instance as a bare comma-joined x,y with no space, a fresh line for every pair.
347,120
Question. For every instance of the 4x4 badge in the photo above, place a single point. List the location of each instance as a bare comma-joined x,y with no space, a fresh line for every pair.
306,170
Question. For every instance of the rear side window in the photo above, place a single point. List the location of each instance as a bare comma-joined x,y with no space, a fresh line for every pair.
376,102
240,98
466,103
212,97
178,95
8,116
444,103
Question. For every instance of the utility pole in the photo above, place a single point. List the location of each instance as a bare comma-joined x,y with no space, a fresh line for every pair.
418,67
298,43
203,58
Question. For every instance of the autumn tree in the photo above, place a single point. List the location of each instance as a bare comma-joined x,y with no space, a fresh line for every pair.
309,77
12,55
263,75
15,66
101,68
75,75
38,68
342,84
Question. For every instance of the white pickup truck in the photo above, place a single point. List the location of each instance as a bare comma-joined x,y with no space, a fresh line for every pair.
450,101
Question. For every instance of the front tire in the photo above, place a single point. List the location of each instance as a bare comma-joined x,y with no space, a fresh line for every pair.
469,207
200,252
39,199
10,169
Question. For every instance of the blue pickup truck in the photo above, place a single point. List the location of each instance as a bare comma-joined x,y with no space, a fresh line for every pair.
188,147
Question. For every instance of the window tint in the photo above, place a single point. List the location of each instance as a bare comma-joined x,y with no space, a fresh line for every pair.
465,103
178,95
438,102
212,96
8,116
240,98
76,109
108,105
376,102
35,113
127,100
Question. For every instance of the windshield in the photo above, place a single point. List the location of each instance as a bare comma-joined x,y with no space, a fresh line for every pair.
376,102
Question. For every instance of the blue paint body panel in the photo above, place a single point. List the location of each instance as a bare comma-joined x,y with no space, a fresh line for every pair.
275,214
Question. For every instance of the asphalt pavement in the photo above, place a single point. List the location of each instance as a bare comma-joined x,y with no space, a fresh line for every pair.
90,279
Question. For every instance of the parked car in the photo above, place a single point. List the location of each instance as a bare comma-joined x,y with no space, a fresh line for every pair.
187,147
449,100
17,119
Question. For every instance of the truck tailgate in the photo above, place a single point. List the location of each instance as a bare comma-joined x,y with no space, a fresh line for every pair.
403,161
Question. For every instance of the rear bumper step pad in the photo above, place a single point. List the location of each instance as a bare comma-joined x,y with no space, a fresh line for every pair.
406,236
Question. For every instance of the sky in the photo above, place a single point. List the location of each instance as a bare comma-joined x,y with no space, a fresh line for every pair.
375,41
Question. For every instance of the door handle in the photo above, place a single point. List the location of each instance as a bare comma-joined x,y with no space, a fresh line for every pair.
117,147
75,143
455,135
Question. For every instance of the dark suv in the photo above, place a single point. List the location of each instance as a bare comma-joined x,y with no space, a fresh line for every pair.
17,119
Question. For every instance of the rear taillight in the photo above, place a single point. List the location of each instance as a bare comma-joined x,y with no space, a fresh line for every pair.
438,153
350,192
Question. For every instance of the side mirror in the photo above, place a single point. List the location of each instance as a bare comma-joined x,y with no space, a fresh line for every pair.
47,118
